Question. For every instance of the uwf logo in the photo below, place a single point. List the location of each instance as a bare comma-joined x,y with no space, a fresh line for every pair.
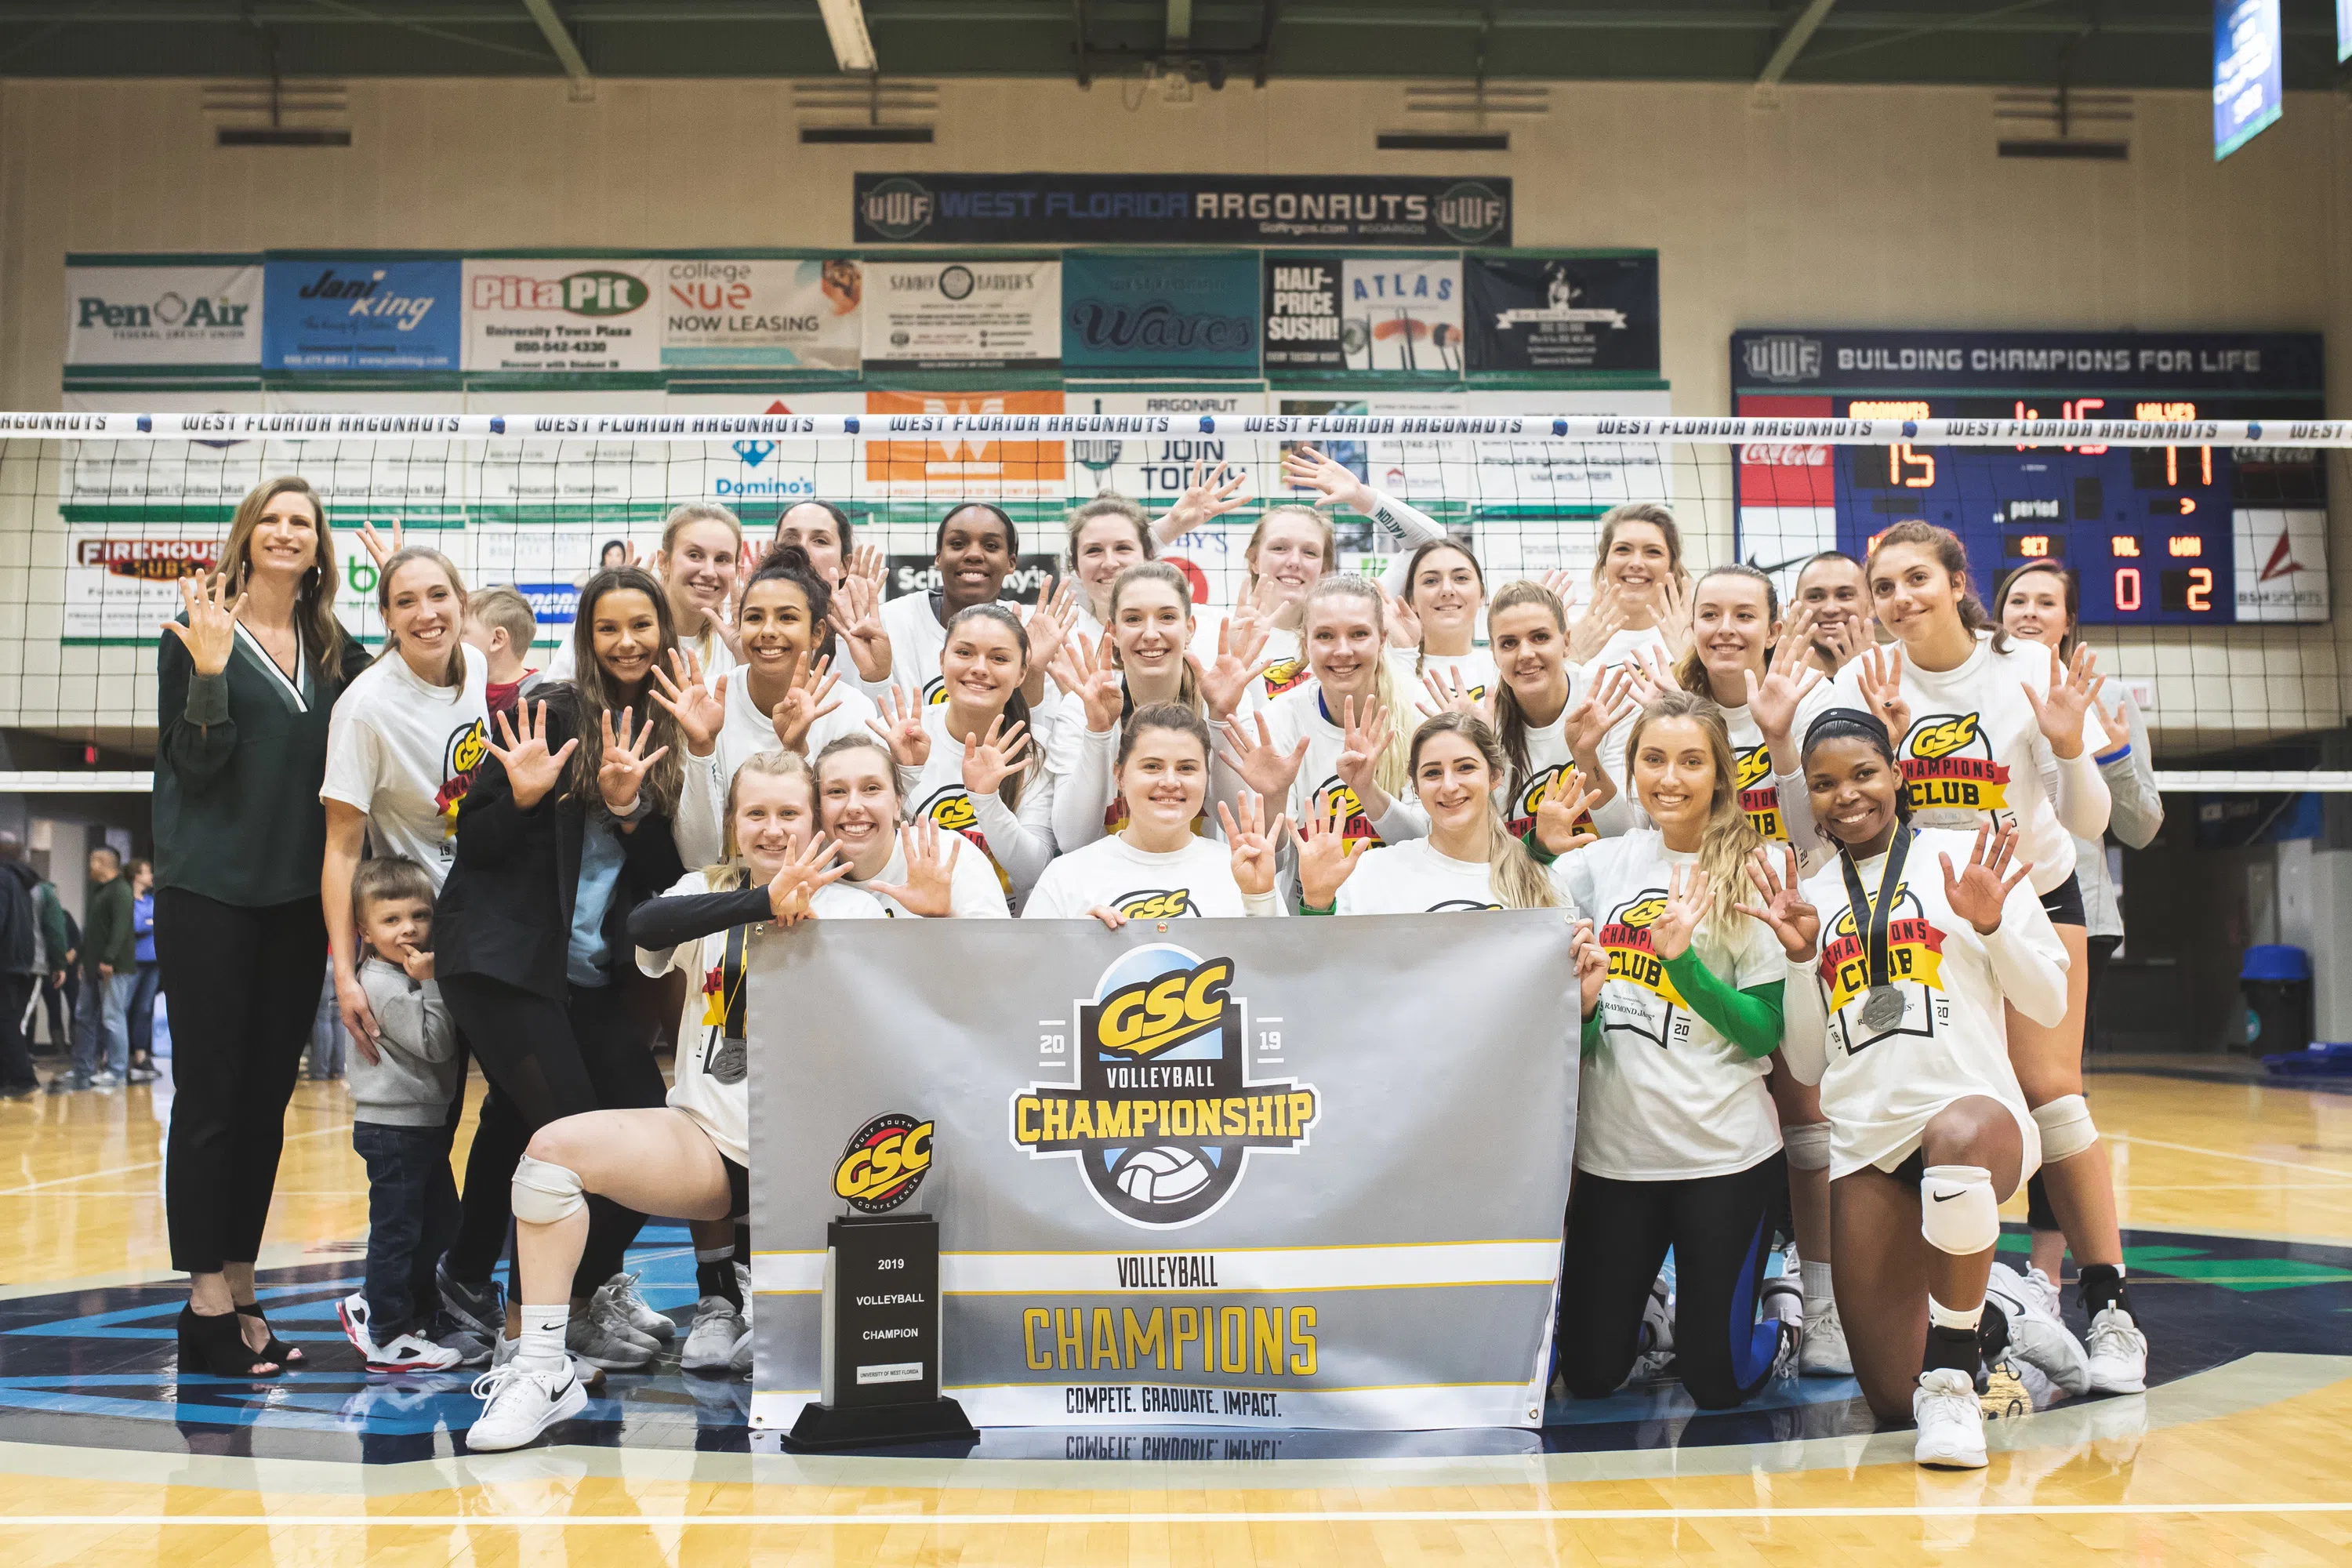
1781,356
1159,326
1162,1114
897,208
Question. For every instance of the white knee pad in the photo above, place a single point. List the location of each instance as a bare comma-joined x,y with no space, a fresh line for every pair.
545,1194
1958,1213
1808,1146
2067,1129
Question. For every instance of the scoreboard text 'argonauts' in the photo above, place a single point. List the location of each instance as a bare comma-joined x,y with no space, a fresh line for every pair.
2185,535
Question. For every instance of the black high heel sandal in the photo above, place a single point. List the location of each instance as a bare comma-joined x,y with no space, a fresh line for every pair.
277,1349
216,1346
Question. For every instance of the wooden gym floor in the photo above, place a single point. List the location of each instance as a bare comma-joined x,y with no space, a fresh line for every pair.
2238,1198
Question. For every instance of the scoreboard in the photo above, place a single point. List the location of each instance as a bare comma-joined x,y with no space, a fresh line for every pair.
2187,535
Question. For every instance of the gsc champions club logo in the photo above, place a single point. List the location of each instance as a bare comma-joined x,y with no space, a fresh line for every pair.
1949,771
1633,958
1914,952
1163,1114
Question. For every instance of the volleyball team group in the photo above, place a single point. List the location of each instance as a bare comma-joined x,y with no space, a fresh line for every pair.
1834,870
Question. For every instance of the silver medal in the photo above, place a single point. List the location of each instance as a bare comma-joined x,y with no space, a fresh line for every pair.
1883,1008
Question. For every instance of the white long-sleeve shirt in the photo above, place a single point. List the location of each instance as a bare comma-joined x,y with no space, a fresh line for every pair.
1881,1086
1020,842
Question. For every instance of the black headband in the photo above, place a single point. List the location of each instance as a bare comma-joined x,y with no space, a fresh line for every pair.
1835,722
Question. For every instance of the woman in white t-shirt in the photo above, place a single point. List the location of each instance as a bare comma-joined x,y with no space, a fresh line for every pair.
1156,867
1677,1142
1754,666
1550,721
1992,732
1340,740
970,756
912,867
1902,957
402,747
691,1157
1469,860
700,557
1291,550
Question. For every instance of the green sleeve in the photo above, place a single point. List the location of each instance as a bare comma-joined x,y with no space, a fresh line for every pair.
1543,856
1749,1019
1307,908
1591,1035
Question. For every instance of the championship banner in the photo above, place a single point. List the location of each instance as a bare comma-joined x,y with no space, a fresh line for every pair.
1217,1172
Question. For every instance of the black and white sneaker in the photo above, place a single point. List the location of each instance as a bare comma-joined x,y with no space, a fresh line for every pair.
403,1353
520,1403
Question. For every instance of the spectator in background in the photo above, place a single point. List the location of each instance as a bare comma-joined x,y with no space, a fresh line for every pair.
500,622
20,966
141,1010
110,957
327,1035
61,957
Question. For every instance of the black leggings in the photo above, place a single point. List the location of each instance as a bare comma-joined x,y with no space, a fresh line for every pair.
548,1060
243,987
2039,1215
1721,1230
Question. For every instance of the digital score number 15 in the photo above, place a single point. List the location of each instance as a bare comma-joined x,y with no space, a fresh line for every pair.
2187,589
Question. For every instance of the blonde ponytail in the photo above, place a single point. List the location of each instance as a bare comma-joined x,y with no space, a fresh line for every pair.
1511,872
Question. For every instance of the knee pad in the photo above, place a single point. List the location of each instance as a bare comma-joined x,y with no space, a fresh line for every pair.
1958,1213
2067,1129
545,1194
1808,1146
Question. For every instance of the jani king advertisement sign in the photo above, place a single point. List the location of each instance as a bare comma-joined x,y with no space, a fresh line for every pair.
348,313
1164,313
1181,209
2248,86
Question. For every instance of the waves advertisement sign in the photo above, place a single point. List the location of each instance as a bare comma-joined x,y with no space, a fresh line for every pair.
362,313
560,314
1181,209
1140,313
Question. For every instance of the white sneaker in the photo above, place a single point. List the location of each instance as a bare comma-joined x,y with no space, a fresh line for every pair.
739,1363
1824,1353
2118,1354
609,1313
656,1326
407,1352
502,1351
607,1344
743,1289
710,1343
522,1404
2036,1333
2045,1290
1951,1423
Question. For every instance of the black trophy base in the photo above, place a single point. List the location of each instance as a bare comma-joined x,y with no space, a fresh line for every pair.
823,1428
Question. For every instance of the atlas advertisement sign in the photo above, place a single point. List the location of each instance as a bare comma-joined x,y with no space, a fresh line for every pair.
1181,209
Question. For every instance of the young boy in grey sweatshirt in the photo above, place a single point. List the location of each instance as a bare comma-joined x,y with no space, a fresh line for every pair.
403,1082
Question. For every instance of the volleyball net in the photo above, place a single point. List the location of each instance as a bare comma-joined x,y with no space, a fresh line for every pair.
2200,547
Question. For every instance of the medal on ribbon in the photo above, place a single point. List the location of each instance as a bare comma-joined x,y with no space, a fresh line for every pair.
1881,1008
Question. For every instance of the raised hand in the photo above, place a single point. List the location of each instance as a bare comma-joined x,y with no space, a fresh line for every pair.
1608,700
1211,493
1305,468
792,891
1796,922
988,760
1650,675
1252,842
1449,693
715,624
854,614
1848,639
2075,687
1051,621
531,769
1671,931
1591,632
1561,583
1773,701
700,711
210,636
1327,856
928,889
1675,614
1361,747
1223,684
1881,679
621,772
378,548
1257,763
901,727
1976,892
867,564
1591,966
1091,673
1565,804
808,697
1404,620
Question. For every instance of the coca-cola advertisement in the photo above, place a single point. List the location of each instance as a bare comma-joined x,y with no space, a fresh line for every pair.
1786,473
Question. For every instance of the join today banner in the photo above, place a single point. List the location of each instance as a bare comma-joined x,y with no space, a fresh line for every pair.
1268,1173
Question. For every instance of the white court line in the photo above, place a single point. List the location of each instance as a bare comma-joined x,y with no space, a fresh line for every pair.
2225,1154
143,1166
707,1520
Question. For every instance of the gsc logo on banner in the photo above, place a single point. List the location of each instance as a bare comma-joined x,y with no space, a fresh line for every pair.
1163,1113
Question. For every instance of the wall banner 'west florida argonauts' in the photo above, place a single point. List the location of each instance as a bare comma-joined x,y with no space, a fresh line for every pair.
1572,312
354,313
1181,209
1148,314
1199,1172
178,310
